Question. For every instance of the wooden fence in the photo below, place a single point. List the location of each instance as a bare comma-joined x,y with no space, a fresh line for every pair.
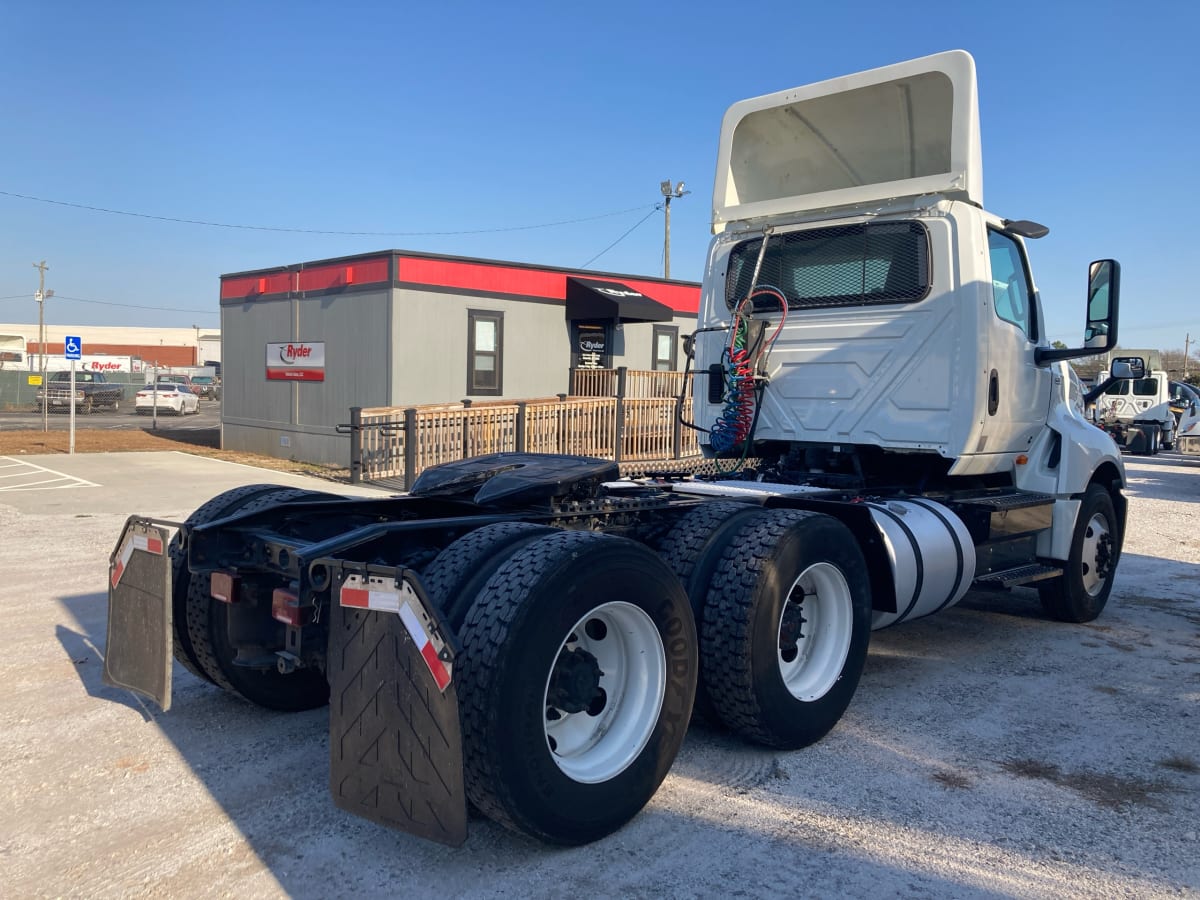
398,443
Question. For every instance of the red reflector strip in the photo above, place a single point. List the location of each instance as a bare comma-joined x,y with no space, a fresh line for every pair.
147,543
437,668
122,562
361,598
392,600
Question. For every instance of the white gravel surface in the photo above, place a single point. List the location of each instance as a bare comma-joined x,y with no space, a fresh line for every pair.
988,752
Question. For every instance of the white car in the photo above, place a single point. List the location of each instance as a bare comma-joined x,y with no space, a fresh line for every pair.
176,398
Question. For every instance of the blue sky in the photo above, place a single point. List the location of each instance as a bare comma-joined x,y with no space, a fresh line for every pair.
471,117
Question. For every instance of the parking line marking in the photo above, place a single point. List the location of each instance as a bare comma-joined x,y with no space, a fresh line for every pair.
72,480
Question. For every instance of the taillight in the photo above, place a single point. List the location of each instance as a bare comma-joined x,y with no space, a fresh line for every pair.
286,608
224,587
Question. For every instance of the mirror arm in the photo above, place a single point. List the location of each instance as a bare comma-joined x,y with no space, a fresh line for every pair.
1099,389
1043,355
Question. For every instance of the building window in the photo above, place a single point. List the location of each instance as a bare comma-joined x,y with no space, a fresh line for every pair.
666,343
485,352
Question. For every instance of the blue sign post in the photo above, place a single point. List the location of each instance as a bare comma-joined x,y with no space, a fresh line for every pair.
73,350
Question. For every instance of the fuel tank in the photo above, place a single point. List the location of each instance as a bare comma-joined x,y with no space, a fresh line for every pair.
931,555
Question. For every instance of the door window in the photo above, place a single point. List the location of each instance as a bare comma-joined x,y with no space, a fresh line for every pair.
1010,283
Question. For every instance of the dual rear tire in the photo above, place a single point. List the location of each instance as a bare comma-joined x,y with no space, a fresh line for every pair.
783,609
575,683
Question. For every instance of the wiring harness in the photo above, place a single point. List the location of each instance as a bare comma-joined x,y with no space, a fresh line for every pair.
743,362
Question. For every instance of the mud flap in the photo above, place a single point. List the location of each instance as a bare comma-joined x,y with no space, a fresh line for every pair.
395,744
137,653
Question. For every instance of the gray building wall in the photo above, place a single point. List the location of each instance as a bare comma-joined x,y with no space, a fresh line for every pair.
430,337
298,419
635,342
388,347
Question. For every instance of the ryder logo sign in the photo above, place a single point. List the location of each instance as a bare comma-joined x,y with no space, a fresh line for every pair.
296,361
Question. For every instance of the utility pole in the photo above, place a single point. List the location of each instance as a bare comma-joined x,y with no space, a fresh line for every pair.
670,193
1187,343
41,298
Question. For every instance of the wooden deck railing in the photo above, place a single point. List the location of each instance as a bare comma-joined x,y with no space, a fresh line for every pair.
636,383
398,443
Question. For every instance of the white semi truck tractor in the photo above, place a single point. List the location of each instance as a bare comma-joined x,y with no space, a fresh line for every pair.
888,427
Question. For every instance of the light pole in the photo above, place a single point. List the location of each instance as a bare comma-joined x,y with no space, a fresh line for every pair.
41,296
669,193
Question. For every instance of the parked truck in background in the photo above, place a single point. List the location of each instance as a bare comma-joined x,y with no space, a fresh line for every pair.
889,426
92,391
1185,404
1143,415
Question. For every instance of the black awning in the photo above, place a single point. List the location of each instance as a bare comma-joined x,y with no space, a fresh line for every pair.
590,298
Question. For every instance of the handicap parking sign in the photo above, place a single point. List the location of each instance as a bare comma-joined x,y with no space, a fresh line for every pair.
73,347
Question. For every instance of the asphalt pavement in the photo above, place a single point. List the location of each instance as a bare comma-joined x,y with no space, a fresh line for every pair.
126,417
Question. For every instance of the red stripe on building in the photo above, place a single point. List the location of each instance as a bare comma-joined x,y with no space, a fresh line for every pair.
253,285
532,282
359,272
478,277
482,277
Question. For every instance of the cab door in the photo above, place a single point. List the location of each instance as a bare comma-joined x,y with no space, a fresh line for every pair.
1018,389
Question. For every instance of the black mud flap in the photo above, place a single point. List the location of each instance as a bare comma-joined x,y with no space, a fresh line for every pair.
138,651
395,744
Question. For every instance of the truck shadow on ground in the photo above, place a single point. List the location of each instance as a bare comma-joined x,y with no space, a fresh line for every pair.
268,771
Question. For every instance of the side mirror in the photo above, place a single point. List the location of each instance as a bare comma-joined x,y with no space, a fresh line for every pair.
1122,368
1100,333
1126,367
1101,330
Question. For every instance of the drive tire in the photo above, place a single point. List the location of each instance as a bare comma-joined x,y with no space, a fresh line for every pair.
691,549
217,508
1081,592
460,571
208,621
785,682
567,602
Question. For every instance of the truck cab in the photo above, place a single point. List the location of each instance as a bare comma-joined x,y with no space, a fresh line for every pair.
892,330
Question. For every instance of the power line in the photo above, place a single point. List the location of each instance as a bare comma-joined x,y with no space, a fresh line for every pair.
134,305
115,303
182,221
657,207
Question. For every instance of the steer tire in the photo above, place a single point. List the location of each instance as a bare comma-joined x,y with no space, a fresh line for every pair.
691,549
207,620
1081,592
460,571
786,625
584,620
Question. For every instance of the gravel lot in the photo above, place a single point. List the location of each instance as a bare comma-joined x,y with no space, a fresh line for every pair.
988,752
